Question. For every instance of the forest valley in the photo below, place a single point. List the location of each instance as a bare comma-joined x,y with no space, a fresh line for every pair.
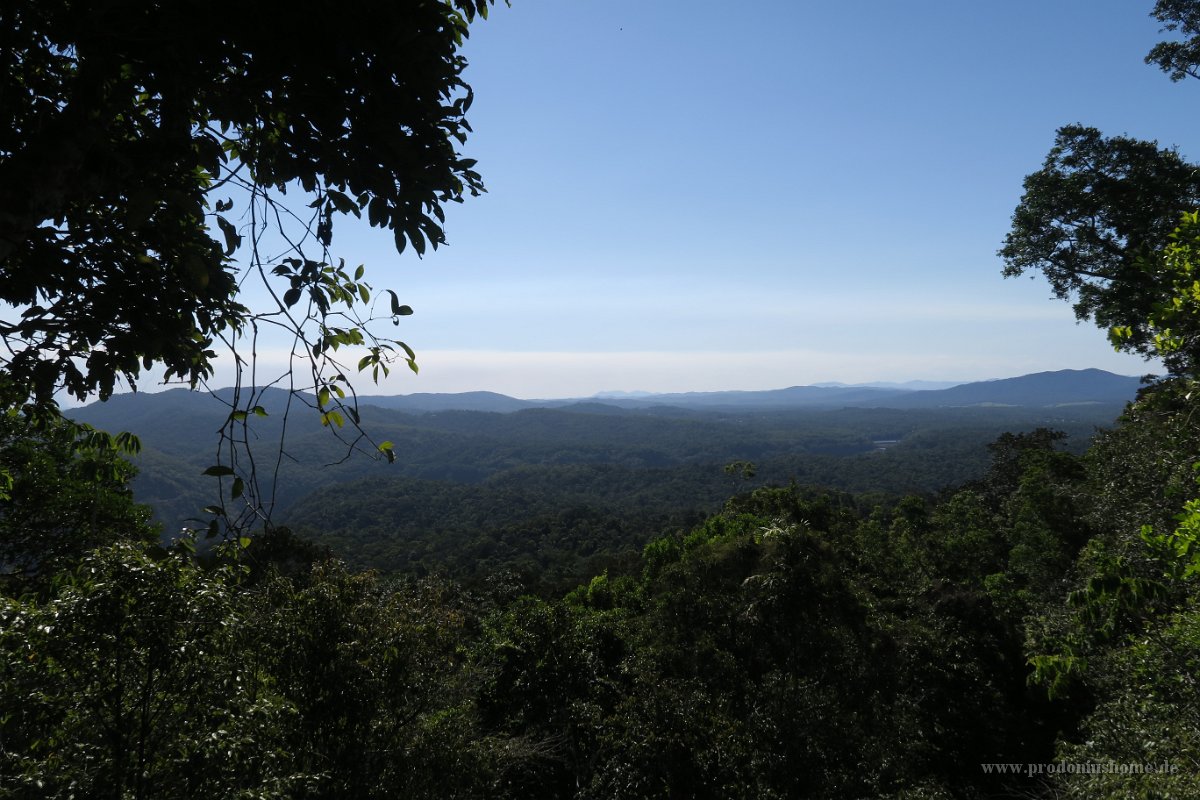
1033,631
799,642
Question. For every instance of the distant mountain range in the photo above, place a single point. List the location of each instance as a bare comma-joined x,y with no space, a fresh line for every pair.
857,438
910,385
1039,390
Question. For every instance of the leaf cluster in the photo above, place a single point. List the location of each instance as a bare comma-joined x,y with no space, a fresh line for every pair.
1090,217
119,123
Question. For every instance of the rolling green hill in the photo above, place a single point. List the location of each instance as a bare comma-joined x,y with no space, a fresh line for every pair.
558,492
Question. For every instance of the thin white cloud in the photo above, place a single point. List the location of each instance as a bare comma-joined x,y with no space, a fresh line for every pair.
546,374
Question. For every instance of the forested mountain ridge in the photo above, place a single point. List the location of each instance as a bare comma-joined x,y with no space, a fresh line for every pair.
1059,387
887,638
605,477
1039,389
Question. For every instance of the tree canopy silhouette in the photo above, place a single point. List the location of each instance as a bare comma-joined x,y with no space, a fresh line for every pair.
129,131
1101,208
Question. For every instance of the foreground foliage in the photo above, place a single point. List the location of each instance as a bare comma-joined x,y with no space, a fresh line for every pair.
789,646
798,643
127,126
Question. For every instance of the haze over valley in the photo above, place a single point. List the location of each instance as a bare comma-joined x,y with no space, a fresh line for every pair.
470,466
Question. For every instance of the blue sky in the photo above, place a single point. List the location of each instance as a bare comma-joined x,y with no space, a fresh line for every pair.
703,195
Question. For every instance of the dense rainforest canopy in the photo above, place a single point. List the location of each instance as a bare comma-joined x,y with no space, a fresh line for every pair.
1032,632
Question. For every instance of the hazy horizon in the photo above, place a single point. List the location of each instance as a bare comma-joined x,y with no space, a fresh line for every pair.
367,389
692,197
